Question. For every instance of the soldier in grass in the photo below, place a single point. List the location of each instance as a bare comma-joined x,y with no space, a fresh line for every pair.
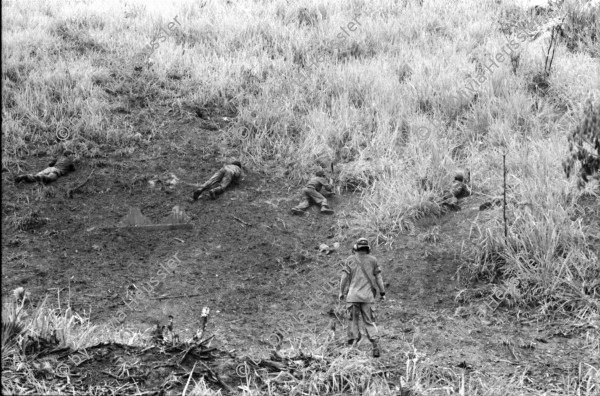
315,191
230,172
57,168
359,284
459,189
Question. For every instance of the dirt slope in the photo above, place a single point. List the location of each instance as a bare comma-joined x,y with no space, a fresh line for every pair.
250,261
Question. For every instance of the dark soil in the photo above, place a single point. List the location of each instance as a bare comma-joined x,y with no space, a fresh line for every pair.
252,263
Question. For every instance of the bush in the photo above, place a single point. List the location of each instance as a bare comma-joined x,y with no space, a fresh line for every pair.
584,144
581,26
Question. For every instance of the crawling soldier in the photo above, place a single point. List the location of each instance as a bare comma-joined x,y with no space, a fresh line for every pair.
57,168
225,175
312,193
459,189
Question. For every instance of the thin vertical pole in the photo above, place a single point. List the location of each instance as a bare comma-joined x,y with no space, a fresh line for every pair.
505,225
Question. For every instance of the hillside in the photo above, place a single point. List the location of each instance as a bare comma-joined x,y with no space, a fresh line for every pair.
468,310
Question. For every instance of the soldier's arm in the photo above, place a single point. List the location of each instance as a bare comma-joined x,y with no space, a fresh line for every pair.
378,278
345,278
325,184
468,190
53,162
380,285
327,192
343,283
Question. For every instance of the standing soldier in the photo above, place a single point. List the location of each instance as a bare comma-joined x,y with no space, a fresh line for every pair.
357,286
58,167
312,193
225,175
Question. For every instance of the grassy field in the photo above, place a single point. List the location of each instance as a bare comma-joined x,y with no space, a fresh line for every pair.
392,92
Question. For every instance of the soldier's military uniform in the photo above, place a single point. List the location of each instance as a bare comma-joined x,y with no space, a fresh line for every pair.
459,189
312,193
359,284
57,168
224,177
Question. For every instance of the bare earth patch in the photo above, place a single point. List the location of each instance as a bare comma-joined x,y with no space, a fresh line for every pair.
256,267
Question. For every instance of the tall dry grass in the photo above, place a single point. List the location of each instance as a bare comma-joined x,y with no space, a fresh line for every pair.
27,331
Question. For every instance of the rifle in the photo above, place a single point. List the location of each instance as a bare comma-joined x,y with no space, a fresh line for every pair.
337,315
331,180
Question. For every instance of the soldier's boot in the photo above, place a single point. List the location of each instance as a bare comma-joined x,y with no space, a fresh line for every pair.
326,210
25,178
197,193
353,342
297,211
214,192
376,350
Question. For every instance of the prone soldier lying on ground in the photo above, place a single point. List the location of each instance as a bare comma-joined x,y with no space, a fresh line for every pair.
230,172
312,193
57,168
459,189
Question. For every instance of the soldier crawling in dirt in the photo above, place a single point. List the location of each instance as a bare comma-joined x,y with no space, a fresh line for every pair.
357,286
459,189
230,172
312,192
57,168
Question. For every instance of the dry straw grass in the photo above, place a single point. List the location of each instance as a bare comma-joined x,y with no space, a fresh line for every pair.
76,66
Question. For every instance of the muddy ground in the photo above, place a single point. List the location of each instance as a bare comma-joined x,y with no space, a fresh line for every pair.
255,265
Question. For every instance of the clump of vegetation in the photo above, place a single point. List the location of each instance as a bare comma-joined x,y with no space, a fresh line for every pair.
28,332
584,145
540,83
581,26
546,262
27,221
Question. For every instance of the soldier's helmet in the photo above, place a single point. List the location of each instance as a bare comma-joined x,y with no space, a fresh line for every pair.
320,173
236,163
362,244
68,153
